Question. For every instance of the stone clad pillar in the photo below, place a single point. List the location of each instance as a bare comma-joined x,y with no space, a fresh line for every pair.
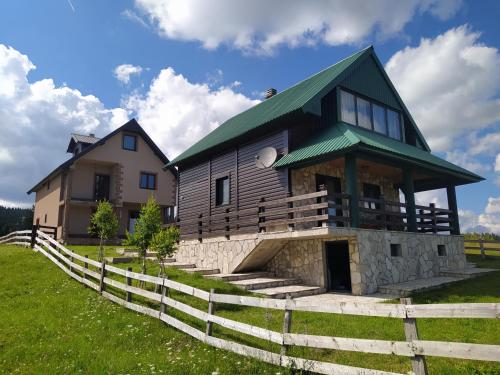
409,192
452,205
351,179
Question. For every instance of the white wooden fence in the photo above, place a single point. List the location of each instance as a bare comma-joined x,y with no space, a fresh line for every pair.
413,347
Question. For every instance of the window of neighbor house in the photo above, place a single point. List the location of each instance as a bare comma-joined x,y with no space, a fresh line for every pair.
222,191
369,115
129,142
147,181
168,214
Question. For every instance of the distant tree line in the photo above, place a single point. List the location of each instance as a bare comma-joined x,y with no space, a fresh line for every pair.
12,219
482,236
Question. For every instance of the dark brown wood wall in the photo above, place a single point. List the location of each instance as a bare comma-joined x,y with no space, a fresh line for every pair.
248,183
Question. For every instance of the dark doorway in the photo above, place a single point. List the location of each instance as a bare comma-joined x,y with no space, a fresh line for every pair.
337,266
101,191
333,186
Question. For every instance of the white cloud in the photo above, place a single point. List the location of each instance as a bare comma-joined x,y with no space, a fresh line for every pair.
493,206
450,84
37,118
261,26
465,160
177,113
123,72
497,163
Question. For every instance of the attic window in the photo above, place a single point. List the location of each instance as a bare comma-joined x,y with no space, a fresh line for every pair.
369,115
129,142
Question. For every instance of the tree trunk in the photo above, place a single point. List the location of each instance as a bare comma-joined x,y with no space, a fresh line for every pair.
101,250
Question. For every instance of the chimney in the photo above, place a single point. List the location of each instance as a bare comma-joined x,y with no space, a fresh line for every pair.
270,93
92,135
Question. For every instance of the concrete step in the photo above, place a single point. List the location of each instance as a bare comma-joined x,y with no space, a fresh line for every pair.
293,290
203,271
116,260
264,282
409,287
168,260
467,272
181,265
240,276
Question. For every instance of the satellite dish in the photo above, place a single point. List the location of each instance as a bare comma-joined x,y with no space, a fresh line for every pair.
266,157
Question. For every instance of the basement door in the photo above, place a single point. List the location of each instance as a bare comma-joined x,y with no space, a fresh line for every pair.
337,266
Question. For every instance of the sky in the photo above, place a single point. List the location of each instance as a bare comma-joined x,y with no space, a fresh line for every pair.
181,68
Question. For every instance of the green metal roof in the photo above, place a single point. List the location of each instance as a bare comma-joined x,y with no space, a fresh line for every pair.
341,137
295,98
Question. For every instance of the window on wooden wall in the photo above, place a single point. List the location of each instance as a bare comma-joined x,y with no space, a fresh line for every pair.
222,191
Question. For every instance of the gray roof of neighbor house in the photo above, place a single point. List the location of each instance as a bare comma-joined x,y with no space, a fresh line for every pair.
304,97
79,138
131,126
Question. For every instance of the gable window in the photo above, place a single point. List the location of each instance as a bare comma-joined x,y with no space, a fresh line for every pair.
147,181
129,142
348,108
393,124
366,114
222,191
379,121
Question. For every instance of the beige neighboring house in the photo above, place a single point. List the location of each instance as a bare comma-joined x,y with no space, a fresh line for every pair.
125,167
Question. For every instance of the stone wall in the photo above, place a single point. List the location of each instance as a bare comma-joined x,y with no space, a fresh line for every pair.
301,254
304,179
371,264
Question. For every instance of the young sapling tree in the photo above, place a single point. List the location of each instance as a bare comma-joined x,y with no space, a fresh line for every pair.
103,224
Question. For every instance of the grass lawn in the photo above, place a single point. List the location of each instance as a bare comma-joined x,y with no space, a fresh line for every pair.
50,323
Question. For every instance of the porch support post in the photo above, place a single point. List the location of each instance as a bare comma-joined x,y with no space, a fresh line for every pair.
351,178
452,205
409,192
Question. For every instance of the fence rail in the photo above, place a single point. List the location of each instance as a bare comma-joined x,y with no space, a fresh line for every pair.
100,278
483,246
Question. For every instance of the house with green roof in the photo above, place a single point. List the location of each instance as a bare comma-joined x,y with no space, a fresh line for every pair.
316,184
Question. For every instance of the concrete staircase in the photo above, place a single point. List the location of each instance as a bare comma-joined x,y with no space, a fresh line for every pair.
447,276
265,283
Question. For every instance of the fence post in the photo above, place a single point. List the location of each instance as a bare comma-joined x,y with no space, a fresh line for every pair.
86,266
34,229
103,275
164,293
481,247
128,296
410,325
211,311
287,323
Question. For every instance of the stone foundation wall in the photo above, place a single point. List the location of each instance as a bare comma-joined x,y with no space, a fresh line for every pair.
288,254
371,264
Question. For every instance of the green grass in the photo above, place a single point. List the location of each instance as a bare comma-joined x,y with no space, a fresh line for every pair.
50,323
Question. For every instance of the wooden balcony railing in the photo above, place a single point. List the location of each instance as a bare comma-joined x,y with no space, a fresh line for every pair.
315,210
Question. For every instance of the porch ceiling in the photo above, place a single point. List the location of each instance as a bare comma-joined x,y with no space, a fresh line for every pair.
342,138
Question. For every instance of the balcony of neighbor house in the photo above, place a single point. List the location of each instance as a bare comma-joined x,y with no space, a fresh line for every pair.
92,181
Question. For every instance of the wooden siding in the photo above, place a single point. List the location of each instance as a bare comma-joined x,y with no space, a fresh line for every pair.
248,184
368,80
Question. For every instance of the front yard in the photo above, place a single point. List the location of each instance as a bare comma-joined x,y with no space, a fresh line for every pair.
52,324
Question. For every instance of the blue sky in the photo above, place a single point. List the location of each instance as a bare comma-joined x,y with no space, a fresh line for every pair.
222,56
